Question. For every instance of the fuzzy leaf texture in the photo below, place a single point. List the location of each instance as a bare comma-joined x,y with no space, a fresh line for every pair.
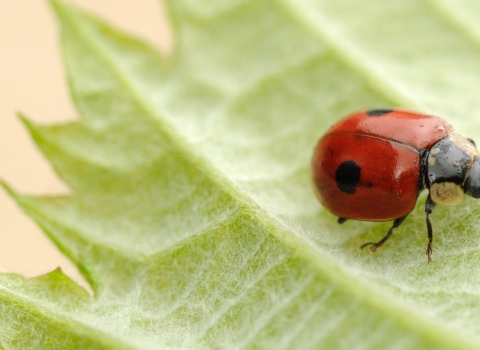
192,213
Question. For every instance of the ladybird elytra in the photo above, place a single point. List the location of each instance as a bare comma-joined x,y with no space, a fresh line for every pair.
373,164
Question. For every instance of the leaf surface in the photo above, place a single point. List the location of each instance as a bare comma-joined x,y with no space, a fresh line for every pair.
192,214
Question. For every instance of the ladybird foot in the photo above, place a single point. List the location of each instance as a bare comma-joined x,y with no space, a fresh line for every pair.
429,254
429,251
373,248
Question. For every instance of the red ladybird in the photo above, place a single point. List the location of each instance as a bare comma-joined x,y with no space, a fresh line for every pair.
373,164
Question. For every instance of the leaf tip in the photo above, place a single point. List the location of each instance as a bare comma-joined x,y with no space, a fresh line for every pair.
24,119
16,196
61,9
32,127
56,5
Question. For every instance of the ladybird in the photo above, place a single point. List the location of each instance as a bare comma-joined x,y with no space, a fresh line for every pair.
373,164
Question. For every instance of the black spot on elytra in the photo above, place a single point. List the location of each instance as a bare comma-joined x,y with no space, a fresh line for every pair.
379,112
347,176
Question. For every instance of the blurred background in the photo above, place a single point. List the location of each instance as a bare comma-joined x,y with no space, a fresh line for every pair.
32,82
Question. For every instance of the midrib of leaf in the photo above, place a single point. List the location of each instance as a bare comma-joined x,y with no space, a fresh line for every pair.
346,281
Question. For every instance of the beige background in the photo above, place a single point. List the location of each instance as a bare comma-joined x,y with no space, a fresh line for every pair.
32,81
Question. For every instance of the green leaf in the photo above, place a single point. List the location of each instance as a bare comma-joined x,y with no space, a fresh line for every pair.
192,214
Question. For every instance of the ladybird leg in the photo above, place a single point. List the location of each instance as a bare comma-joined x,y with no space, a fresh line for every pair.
341,220
429,205
375,245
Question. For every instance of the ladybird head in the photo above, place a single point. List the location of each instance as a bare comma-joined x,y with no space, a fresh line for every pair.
453,169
